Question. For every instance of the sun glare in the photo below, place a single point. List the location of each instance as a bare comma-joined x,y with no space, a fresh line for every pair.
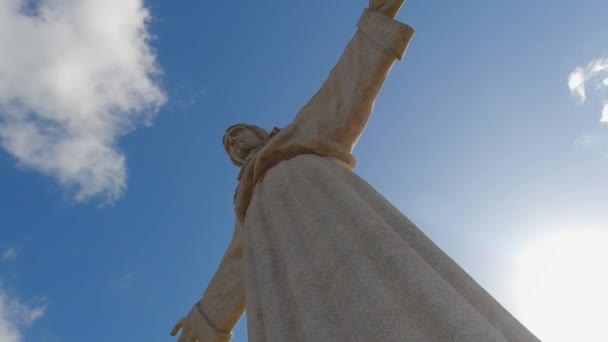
562,287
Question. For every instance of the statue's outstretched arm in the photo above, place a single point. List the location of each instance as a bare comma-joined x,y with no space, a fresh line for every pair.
339,111
213,317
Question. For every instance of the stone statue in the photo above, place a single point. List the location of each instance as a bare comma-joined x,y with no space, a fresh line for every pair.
318,254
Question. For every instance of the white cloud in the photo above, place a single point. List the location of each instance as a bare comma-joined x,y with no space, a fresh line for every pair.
576,83
75,76
604,118
16,316
9,254
578,78
581,76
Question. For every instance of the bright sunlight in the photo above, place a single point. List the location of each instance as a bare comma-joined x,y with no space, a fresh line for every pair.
562,287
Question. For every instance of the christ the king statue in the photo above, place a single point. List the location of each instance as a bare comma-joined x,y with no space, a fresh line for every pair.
318,254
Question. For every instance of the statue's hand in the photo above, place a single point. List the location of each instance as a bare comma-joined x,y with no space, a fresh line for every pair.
187,333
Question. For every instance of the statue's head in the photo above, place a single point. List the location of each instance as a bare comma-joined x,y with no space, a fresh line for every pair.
241,140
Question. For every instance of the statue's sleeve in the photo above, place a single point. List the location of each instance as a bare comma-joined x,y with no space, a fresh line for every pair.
223,302
339,111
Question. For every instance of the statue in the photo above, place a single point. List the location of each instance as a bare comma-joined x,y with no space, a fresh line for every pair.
318,254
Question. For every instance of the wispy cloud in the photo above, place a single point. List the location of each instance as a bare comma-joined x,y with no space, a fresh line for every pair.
580,77
15,316
9,254
75,76
124,282
587,141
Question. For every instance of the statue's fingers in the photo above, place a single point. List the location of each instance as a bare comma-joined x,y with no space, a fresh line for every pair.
177,327
186,336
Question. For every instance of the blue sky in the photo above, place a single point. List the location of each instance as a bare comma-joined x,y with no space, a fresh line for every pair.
110,232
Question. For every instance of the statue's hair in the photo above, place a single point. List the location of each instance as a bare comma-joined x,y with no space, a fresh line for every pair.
260,132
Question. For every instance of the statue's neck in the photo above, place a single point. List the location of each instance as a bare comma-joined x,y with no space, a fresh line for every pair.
249,159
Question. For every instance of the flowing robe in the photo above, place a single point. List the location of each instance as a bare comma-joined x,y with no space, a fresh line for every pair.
318,254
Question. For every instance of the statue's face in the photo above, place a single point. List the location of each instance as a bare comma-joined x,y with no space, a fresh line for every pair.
241,141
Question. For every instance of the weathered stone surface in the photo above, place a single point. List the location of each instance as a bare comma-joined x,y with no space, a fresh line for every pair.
317,253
